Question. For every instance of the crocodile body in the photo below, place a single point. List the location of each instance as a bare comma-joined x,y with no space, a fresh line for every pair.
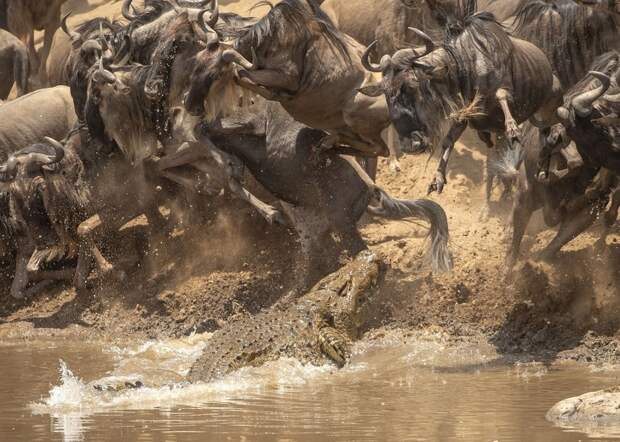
319,327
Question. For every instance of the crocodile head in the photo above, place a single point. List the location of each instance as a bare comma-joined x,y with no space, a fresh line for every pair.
344,298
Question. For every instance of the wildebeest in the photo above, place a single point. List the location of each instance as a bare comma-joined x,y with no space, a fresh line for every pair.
28,119
590,114
14,65
481,77
324,202
46,202
570,34
590,120
26,16
302,61
68,47
562,200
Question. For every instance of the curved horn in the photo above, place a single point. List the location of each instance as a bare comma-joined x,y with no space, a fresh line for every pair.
125,10
428,42
58,148
232,56
385,62
563,113
103,74
215,14
582,103
615,98
74,36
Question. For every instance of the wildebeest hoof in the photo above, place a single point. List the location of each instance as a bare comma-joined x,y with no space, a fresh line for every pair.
512,130
542,177
394,165
437,184
275,217
485,214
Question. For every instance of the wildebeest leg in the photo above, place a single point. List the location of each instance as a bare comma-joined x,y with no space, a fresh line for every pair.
312,228
271,80
485,137
50,29
512,129
570,227
20,280
360,171
233,168
89,252
394,148
610,217
572,156
521,214
447,145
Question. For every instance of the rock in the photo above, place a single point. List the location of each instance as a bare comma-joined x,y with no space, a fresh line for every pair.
589,411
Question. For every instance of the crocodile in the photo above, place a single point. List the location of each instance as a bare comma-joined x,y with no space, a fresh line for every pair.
317,328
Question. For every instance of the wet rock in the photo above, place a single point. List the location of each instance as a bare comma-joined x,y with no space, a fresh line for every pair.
591,409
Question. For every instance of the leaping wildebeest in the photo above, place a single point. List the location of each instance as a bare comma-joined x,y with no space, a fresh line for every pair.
323,202
302,61
481,77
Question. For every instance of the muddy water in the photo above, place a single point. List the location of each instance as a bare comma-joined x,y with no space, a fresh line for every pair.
426,389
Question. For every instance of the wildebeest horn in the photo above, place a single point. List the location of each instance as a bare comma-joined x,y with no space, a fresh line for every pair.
615,98
232,56
102,74
74,36
58,149
215,14
563,113
583,102
373,67
125,10
428,42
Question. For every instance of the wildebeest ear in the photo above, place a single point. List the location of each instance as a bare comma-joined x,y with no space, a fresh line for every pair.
371,90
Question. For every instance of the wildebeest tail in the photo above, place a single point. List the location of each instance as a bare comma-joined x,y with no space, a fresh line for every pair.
507,164
392,208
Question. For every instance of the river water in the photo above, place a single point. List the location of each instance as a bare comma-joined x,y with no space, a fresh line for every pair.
426,389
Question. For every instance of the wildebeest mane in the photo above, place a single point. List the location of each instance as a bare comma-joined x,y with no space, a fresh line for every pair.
300,14
570,34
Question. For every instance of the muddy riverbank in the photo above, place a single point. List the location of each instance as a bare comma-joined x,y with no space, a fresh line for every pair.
197,278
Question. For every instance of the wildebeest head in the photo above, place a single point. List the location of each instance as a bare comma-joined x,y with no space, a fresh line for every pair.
597,93
32,159
281,39
184,36
409,77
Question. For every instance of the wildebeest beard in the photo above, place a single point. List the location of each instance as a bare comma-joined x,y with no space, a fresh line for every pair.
570,34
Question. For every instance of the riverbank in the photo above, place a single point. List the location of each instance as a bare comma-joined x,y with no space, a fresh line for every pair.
196,279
